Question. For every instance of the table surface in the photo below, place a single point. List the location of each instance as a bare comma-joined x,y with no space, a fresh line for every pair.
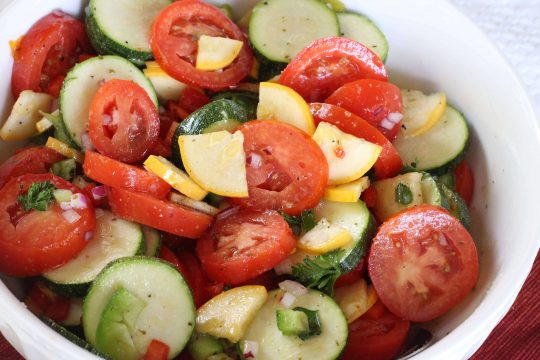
514,27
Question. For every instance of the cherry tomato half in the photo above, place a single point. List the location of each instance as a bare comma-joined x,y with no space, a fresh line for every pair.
32,160
328,63
378,102
376,335
243,244
286,169
119,175
36,241
123,121
389,162
159,214
174,38
422,263
49,49
464,181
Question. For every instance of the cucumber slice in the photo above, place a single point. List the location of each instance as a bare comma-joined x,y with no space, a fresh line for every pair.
439,148
215,116
83,81
152,241
432,193
113,238
202,346
122,27
169,314
247,99
360,28
295,24
274,345
292,322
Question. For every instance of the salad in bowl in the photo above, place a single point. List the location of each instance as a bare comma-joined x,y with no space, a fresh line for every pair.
200,184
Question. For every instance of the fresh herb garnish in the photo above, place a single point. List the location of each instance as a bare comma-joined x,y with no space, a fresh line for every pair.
301,223
320,272
39,196
403,194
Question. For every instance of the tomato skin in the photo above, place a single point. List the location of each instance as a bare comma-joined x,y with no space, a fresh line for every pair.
55,86
292,172
32,160
376,335
434,256
389,163
328,63
373,101
162,215
464,181
119,175
157,351
352,276
243,244
41,240
369,196
174,36
134,130
42,301
192,99
49,49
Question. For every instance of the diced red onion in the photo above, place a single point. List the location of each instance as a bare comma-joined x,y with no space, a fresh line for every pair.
99,192
387,124
287,299
88,235
65,205
254,160
293,287
227,212
395,117
442,240
79,201
87,142
99,213
251,349
71,216
285,267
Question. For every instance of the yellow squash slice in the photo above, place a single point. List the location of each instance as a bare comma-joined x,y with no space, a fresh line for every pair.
216,52
21,123
349,192
64,149
167,88
355,299
421,111
324,237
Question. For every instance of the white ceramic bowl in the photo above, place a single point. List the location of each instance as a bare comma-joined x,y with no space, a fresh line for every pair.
432,47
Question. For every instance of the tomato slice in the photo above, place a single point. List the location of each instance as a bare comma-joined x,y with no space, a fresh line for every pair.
389,162
42,301
49,49
174,38
243,244
119,175
464,181
32,160
192,99
36,241
378,102
376,335
286,169
422,263
157,350
123,121
162,215
352,276
328,63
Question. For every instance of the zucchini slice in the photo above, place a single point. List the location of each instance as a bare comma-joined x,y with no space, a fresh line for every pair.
360,28
113,238
439,148
122,27
152,241
83,81
168,314
273,344
292,24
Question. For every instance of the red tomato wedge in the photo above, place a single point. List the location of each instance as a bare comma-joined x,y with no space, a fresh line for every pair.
243,244
119,175
174,40
464,181
328,63
32,160
36,241
286,169
159,214
376,335
422,262
192,99
123,121
42,301
389,163
378,102
49,49
157,350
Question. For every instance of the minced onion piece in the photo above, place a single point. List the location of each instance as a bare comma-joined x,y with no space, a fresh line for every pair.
62,195
71,216
284,267
79,201
66,205
87,142
254,160
287,299
395,117
99,213
293,287
387,124
88,235
99,192
251,349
